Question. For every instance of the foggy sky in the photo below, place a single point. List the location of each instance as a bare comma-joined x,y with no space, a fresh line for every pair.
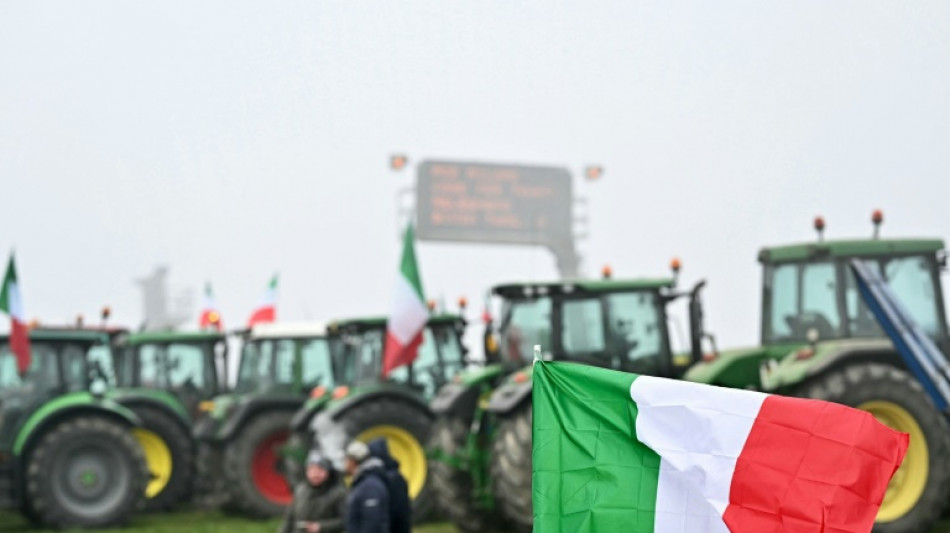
230,140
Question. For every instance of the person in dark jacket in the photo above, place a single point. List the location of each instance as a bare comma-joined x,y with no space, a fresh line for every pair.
367,506
319,500
400,507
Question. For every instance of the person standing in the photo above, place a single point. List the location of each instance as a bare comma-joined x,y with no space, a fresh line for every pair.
400,506
367,506
319,500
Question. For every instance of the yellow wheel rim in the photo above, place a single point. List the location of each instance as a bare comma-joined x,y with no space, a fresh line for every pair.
159,459
404,448
907,485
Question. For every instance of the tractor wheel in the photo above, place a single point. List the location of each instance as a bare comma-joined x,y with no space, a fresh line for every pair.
209,485
452,483
511,467
292,464
254,483
87,472
918,491
405,426
170,455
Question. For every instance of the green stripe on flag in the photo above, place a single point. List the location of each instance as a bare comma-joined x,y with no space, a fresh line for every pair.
9,279
408,265
589,471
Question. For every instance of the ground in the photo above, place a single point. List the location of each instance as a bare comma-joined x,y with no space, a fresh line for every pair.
205,522
190,521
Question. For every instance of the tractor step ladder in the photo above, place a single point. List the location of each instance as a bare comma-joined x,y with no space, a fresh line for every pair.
919,352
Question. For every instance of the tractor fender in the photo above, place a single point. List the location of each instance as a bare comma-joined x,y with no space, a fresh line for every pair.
793,369
303,416
455,397
68,406
170,406
337,409
247,409
509,396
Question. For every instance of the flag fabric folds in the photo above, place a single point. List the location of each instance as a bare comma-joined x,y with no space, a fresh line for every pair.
408,314
12,304
619,452
267,312
210,317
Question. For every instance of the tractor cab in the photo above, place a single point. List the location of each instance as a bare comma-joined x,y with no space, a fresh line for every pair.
441,354
809,292
191,366
620,324
286,358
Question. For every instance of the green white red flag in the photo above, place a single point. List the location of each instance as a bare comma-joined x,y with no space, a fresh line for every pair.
408,314
12,304
210,317
267,312
620,452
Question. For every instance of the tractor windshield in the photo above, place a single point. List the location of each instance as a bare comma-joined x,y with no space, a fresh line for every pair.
43,375
822,296
180,367
440,357
525,323
294,364
624,330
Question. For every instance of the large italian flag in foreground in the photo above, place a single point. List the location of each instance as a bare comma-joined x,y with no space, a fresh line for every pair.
11,304
408,315
621,452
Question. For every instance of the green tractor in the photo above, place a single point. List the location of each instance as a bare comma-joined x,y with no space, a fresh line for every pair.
68,457
819,340
241,433
164,377
367,407
480,446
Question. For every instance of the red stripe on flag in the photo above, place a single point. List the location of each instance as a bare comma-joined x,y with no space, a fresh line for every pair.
263,315
20,344
397,355
812,466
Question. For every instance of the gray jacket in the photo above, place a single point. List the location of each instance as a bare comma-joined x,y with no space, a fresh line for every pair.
325,504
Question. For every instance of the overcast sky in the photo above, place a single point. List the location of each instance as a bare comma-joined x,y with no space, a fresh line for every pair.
230,140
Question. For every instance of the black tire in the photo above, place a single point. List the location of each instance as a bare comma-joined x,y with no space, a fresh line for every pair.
408,416
453,485
511,467
179,487
209,483
858,384
86,472
243,494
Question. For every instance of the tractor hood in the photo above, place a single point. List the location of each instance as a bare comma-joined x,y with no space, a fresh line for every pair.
737,368
804,361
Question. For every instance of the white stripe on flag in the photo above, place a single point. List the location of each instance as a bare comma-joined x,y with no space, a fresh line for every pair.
698,447
409,314
16,305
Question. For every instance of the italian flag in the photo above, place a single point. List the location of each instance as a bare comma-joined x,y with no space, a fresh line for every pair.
620,452
11,304
210,316
267,312
408,315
